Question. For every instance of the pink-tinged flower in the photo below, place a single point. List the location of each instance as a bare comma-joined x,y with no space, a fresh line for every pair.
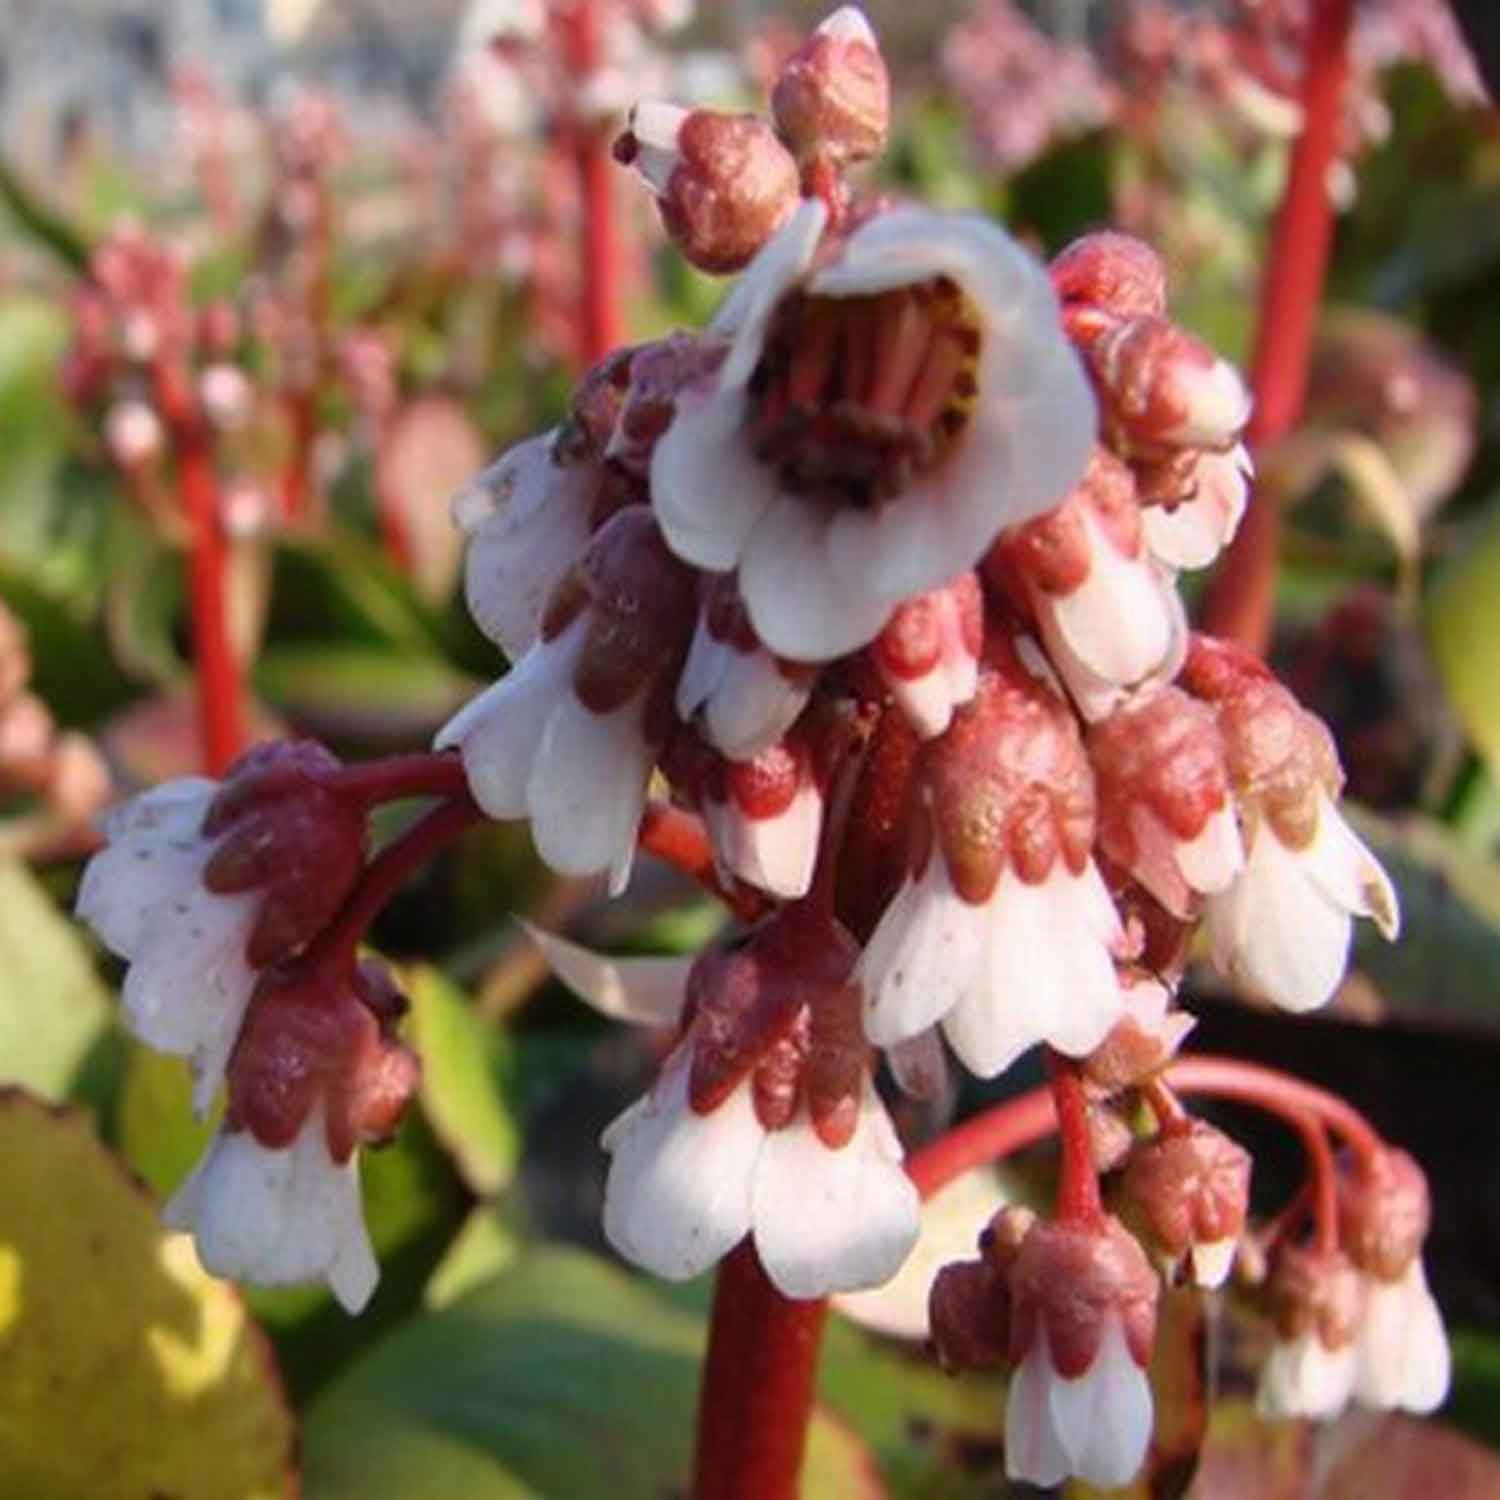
1166,814
278,1218
765,816
1143,1041
1003,932
316,1072
763,1121
1083,1318
832,99
1191,533
928,653
568,738
527,521
1189,1190
880,416
202,884
1317,1300
1107,612
747,698
1282,929
133,434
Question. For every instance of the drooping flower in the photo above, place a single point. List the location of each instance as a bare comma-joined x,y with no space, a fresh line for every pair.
882,413
568,738
1282,928
1003,930
1317,1300
928,653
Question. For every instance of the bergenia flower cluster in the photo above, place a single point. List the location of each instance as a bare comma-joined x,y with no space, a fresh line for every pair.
879,572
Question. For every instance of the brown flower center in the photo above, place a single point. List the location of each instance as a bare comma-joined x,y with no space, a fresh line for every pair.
855,396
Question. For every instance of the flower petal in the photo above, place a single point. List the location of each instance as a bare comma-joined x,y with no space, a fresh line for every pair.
1034,1453
643,991
776,854
1340,865
1403,1356
677,1198
1303,1379
1210,862
1103,1418
833,1220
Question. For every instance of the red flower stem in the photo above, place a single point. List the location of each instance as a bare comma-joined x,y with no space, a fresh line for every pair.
1240,601
759,1376
439,774
1078,1183
601,323
1031,1117
217,669
337,945
679,839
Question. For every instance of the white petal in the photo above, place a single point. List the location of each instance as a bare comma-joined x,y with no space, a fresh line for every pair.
1403,1357
527,519
1047,973
833,1221
1274,932
919,1065
1116,621
1218,406
1213,1261
1193,535
756,703
776,855
677,1197
279,1217
921,958
155,852
1303,1379
746,311
1210,862
1030,433
800,605
587,790
1034,1452
707,661
1103,1417
848,24
928,701
500,731
707,488
1346,872
643,991
190,982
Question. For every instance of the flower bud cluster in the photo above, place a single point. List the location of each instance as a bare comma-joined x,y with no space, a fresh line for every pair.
59,772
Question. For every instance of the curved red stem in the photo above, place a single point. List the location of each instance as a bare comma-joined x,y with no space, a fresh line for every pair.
1240,601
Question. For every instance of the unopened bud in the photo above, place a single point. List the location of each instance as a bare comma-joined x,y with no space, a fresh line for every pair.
1116,273
79,784
724,183
1189,1190
1384,1213
833,98
1315,1291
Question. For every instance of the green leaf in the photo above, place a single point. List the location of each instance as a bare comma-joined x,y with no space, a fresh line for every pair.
127,1371
53,1009
367,695
155,1130
45,225
480,1251
563,1377
466,1066
1462,621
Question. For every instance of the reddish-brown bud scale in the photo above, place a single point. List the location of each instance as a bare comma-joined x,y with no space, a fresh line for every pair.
778,1078
1067,1278
1144,369
1115,273
1384,1213
657,374
968,1312
912,642
1188,1187
1312,1290
595,408
833,98
838,1060
1010,784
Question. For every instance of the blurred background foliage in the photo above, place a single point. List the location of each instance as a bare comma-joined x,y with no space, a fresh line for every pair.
425,320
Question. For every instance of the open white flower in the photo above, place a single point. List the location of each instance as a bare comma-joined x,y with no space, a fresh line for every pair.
1095,1426
189,980
1030,964
1401,1351
278,1218
878,420
1282,929
1302,1377
685,1188
527,520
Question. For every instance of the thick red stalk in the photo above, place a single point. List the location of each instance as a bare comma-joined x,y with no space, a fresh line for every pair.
217,669
1078,1200
1240,600
758,1382
601,322
421,774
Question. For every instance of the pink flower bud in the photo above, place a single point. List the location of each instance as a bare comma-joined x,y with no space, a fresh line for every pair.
928,653
226,396
969,1304
724,183
1189,1190
133,434
1114,273
1143,1041
833,98
1384,1213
